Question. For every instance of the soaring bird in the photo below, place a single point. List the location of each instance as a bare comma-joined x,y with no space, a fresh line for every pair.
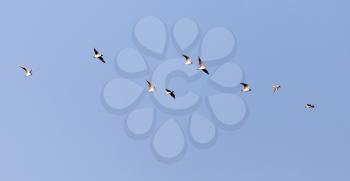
188,60
99,56
276,88
202,66
245,88
309,106
170,93
27,71
151,87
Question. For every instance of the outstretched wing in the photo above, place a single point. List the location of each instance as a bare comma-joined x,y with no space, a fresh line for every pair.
172,94
149,83
200,62
24,68
101,59
96,52
206,71
244,84
186,57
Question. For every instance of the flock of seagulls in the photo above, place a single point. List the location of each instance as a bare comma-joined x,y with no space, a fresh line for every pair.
188,61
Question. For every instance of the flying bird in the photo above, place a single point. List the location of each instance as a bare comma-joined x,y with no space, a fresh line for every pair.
151,87
27,71
99,56
309,106
202,66
188,60
276,88
170,93
245,88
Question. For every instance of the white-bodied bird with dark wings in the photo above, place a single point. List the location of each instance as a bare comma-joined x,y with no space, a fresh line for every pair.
151,87
309,106
276,88
202,66
188,60
245,88
27,71
170,93
98,56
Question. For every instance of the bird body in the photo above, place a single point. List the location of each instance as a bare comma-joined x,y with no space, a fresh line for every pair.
151,87
309,106
98,56
27,71
170,93
245,88
202,66
276,88
188,60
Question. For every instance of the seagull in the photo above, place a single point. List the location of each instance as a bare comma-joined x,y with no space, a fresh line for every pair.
202,66
275,88
188,60
151,87
27,71
170,93
99,56
309,106
245,87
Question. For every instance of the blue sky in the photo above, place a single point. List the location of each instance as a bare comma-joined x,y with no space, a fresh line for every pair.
54,126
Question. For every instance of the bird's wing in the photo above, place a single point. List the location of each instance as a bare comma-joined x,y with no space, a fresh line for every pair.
200,62
244,84
187,57
149,83
102,60
24,68
96,52
172,95
206,71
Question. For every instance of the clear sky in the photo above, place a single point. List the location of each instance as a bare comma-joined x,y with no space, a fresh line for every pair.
55,126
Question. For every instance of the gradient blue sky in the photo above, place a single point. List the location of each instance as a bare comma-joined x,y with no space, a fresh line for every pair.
57,129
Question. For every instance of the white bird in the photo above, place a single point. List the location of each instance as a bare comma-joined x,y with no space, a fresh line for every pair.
276,88
27,71
170,93
188,60
151,87
309,106
202,66
98,56
245,88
